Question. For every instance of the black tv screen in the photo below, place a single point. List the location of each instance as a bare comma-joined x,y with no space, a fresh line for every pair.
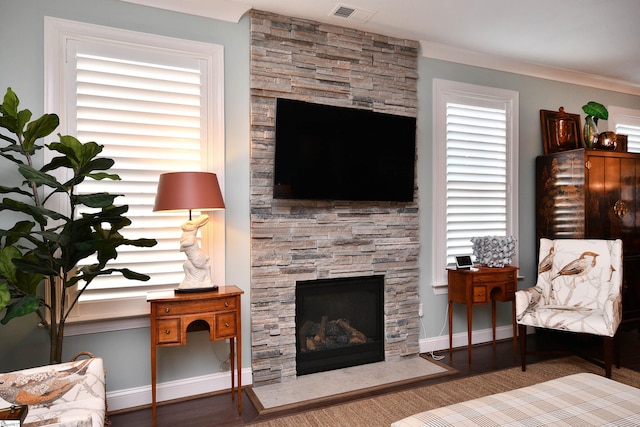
325,152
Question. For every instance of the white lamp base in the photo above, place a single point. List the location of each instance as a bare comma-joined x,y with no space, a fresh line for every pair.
197,268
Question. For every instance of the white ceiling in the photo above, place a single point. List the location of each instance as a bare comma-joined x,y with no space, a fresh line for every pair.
595,37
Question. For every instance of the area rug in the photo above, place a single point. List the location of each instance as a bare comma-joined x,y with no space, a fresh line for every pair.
337,385
384,409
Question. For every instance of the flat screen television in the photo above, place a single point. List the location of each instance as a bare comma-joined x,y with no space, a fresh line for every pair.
326,152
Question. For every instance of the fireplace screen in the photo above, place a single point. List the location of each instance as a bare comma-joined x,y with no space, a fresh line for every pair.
339,323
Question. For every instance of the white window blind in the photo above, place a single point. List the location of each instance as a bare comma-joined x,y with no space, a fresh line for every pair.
156,105
627,122
147,115
476,177
474,167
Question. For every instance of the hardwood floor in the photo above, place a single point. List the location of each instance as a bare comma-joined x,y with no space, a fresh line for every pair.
220,410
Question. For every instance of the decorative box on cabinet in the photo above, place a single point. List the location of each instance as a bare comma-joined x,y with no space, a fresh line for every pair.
594,194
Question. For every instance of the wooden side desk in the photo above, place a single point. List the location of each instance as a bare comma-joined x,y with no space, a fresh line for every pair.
478,286
172,315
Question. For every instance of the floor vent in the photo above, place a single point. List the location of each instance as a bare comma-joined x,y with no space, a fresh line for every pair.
349,12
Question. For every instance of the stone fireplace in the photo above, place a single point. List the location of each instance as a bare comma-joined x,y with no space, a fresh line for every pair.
296,241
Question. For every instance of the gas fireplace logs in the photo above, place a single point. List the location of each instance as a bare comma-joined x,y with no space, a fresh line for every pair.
327,334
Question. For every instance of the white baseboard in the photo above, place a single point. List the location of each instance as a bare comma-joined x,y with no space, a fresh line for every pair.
428,345
170,390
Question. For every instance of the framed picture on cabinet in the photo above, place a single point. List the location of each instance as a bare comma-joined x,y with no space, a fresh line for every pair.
561,131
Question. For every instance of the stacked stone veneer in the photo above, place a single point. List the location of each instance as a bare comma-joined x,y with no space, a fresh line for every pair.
304,240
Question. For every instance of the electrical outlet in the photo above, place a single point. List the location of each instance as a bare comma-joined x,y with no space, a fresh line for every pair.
420,312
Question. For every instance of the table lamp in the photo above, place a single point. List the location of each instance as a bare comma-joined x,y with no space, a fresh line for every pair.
191,191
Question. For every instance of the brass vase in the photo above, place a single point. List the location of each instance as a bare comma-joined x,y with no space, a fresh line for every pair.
607,141
590,132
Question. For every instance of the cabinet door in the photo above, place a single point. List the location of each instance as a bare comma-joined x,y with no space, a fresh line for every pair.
612,198
560,195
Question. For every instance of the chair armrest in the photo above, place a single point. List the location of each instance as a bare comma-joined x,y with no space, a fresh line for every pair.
526,299
612,312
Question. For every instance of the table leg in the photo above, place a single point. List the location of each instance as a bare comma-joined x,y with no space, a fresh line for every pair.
239,365
153,376
469,328
232,362
515,328
493,321
450,329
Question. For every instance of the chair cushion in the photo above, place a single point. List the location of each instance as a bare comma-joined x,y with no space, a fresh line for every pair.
580,274
574,320
68,394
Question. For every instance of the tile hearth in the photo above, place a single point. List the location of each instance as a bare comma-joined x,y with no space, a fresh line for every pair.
323,385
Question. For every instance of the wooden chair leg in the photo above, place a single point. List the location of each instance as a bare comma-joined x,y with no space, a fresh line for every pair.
616,350
608,355
522,335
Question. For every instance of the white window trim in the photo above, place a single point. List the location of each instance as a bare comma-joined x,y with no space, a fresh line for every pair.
128,314
444,91
623,116
618,115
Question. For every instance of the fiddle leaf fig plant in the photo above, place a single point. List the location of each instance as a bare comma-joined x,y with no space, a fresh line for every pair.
45,246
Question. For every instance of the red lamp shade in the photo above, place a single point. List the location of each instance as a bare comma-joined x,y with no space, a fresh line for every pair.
188,191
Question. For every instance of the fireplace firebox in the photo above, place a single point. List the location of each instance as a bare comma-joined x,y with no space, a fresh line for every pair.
339,323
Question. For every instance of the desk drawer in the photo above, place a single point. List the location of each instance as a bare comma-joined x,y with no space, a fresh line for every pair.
480,294
206,305
168,331
500,276
226,325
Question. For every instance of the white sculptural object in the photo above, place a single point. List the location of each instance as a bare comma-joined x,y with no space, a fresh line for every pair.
197,268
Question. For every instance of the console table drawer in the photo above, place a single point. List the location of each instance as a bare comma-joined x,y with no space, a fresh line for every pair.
480,294
168,332
206,305
226,325
498,276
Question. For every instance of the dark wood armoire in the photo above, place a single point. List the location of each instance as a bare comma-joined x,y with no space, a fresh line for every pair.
594,194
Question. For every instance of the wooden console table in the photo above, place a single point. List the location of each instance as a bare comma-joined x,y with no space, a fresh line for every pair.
478,286
172,315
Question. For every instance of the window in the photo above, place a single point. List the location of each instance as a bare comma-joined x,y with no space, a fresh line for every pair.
627,122
475,168
156,105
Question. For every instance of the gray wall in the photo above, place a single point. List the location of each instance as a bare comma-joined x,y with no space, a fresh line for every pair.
126,353
535,94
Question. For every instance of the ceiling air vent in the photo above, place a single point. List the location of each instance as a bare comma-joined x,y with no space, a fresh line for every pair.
349,12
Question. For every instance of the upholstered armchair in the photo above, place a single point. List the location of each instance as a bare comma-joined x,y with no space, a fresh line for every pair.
578,290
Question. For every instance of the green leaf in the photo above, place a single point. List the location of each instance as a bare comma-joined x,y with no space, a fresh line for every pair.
40,178
101,163
39,128
23,306
28,282
7,267
8,190
70,147
96,200
5,295
35,267
596,110
90,150
102,175
19,229
57,162
10,104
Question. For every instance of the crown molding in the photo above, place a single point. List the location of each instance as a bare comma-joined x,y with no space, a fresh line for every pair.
499,63
230,11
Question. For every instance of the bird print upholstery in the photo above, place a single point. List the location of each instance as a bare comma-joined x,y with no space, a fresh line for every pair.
63,395
578,287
